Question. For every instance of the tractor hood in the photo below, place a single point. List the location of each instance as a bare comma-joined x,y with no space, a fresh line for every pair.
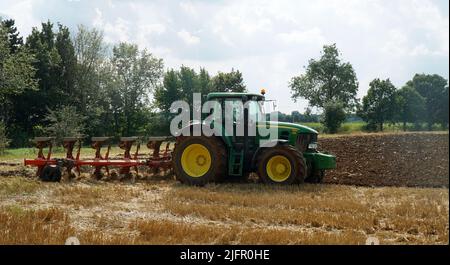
287,125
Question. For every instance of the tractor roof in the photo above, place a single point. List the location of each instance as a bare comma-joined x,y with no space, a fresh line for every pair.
214,95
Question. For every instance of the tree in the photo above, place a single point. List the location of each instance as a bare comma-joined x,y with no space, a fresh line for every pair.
327,80
4,141
97,93
228,82
137,73
442,112
67,69
411,105
90,53
309,117
204,81
333,116
296,116
432,88
64,121
16,70
16,77
54,62
14,39
188,83
379,104
169,92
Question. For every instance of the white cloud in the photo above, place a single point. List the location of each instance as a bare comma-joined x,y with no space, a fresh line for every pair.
189,8
313,35
188,38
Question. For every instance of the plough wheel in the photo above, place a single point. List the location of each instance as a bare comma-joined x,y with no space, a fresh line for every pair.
51,173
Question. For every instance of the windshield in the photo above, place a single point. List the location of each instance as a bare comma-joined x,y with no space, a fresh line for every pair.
256,110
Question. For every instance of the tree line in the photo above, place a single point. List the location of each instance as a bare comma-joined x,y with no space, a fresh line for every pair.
55,82
331,85
58,82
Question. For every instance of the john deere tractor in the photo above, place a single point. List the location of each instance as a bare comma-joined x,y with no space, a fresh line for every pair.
289,159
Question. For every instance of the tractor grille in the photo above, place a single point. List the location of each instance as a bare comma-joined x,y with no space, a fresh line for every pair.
303,140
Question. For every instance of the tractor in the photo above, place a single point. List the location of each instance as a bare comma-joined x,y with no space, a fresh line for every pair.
292,158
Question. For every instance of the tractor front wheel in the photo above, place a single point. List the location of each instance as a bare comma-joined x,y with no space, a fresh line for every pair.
281,165
198,160
316,176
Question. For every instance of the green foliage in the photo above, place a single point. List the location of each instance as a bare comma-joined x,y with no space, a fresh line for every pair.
433,88
180,85
411,105
158,124
204,81
54,62
64,121
13,36
137,74
379,105
443,110
333,116
4,141
326,80
16,74
16,71
67,69
169,92
228,82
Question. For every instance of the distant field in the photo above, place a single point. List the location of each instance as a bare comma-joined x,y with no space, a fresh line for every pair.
357,127
31,152
86,151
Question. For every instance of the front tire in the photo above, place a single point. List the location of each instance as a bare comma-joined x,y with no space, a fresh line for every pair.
315,177
199,160
281,165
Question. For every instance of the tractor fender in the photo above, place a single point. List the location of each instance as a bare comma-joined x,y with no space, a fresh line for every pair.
268,144
188,129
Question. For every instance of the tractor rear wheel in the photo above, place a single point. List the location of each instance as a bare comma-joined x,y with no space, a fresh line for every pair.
198,160
281,164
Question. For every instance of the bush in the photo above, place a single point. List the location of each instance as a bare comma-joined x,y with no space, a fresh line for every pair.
4,141
65,121
333,116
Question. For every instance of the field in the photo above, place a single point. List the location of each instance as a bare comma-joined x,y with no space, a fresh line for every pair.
391,186
359,127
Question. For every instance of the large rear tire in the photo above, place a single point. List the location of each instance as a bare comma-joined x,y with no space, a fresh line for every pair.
198,160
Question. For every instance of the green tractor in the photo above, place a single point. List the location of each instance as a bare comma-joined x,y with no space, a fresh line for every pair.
292,158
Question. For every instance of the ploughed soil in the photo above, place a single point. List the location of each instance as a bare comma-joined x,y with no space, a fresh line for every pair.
415,159
403,159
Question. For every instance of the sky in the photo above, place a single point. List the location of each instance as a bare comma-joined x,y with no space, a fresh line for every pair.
268,41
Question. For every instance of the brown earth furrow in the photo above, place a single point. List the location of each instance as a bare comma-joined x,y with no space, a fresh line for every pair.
412,159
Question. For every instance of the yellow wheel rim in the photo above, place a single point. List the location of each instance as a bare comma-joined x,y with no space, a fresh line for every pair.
196,160
278,168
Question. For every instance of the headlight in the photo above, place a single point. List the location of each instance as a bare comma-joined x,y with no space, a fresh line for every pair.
312,146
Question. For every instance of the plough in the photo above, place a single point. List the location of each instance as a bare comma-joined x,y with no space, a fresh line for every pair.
50,169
